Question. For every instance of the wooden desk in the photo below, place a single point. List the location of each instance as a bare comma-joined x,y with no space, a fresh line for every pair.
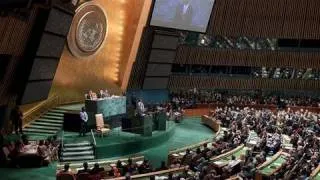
272,166
315,173
211,122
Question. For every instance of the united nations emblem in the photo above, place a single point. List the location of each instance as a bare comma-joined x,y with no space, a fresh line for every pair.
88,30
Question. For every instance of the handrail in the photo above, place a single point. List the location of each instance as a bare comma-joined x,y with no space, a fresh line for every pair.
40,109
62,139
93,138
38,106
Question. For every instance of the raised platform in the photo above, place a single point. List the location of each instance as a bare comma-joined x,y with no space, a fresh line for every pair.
119,143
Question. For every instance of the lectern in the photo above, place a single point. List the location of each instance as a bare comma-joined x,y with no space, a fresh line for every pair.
109,107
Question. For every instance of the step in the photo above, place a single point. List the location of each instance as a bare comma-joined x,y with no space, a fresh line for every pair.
49,132
77,158
32,134
52,117
73,149
77,144
83,153
55,114
56,121
58,110
46,124
43,127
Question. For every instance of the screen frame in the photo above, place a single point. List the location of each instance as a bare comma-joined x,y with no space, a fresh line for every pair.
175,29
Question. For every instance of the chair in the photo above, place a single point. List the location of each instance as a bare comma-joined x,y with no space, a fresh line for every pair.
101,127
83,176
65,176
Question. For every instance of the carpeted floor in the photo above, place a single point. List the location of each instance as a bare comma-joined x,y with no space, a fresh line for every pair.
189,131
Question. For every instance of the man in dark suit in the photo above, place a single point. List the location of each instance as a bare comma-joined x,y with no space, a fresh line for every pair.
184,13
85,168
96,169
16,117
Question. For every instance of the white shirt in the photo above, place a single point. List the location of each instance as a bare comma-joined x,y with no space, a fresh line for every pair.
140,107
84,116
185,8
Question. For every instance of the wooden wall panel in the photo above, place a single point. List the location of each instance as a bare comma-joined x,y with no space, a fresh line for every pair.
261,18
209,82
211,56
14,34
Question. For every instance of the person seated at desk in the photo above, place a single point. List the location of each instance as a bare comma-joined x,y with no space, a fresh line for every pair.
85,169
91,95
130,168
187,157
96,169
145,167
65,172
101,94
106,93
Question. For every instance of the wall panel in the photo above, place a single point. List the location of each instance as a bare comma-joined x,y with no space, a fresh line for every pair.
212,56
261,18
209,82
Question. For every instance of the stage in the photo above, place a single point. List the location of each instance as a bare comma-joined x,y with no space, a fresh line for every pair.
120,143
155,148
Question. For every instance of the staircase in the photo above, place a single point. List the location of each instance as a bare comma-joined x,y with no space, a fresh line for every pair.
82,151
47,125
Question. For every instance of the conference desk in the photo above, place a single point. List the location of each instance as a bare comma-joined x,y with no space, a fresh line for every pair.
315,173
109,107
271,166
211,122
224,159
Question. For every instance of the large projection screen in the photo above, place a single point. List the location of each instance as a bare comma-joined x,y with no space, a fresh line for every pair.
189,15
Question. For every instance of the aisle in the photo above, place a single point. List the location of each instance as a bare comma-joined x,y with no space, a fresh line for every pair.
188,132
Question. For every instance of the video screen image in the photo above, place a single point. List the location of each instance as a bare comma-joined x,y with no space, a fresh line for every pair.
190,15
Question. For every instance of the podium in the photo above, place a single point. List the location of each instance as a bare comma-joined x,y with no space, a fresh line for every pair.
109,107
160,121
140,124
147,122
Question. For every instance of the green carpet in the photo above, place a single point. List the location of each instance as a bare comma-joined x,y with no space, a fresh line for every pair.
189,131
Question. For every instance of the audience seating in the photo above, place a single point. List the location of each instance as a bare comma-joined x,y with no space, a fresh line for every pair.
65,176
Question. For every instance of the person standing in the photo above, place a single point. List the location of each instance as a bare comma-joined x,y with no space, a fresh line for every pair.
184,13
84,121
16,117
140,107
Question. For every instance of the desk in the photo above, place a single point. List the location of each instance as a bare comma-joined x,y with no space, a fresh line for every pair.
222,160
315,173
110,106
271,166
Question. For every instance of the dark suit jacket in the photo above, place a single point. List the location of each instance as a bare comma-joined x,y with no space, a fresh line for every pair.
83,171
183,18
101,95
97,170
